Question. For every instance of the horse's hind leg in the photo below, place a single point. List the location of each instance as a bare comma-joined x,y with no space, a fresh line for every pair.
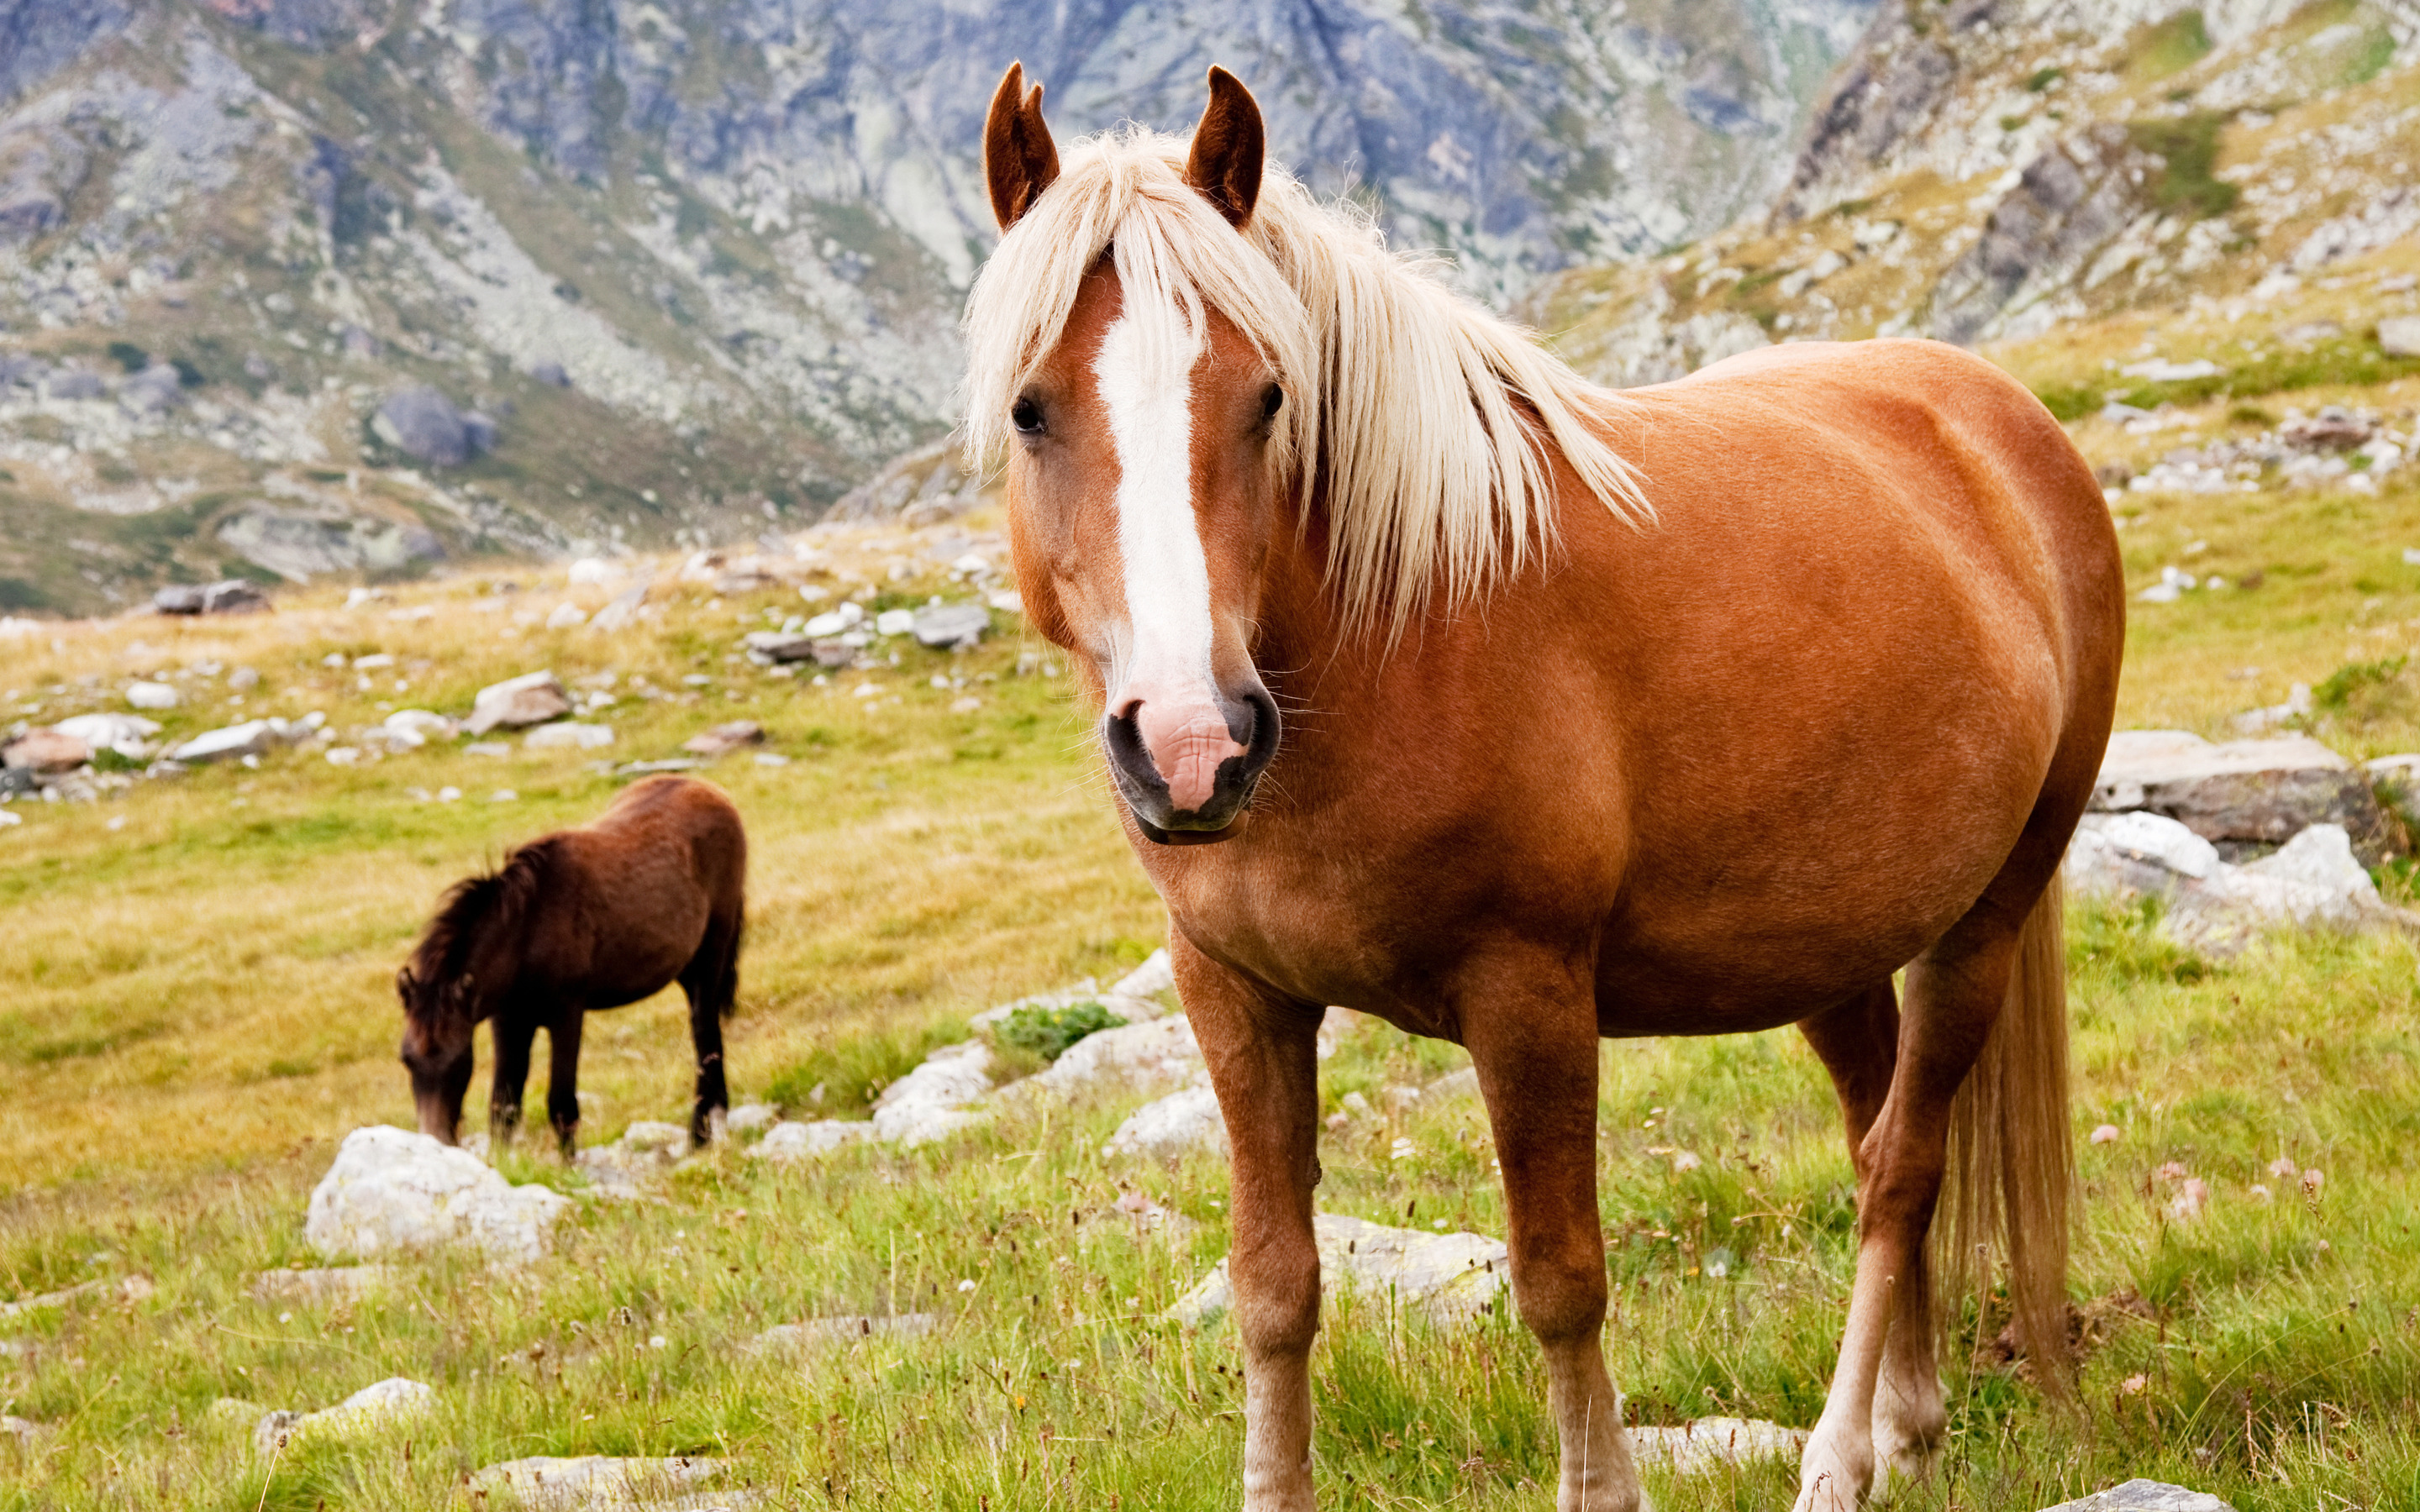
1858,1043
1955,992
562,1080
513,1034
711,980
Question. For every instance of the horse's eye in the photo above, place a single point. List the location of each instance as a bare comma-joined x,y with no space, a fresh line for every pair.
1272,402
1027,417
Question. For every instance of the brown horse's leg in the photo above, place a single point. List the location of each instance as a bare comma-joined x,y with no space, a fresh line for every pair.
1536,1054
512,1033
711,979
1858,1043
1955,990
1263,1063
563,1079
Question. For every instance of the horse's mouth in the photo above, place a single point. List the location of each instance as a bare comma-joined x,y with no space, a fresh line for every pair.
1158,835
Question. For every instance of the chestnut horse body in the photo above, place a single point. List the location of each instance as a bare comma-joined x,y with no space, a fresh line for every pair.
614,911
1815,691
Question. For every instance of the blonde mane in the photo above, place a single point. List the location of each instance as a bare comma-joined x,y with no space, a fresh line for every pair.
1425,417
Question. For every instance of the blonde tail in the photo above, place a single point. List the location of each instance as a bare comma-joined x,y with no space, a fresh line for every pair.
2011,1160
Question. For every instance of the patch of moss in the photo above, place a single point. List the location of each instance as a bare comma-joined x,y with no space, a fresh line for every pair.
2188,147
2171,46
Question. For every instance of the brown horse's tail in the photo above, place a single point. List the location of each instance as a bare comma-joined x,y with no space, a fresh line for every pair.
2011,1161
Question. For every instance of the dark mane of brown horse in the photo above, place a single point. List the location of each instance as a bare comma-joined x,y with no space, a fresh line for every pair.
474,905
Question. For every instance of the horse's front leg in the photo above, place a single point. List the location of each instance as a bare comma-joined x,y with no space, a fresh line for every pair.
512,1033
1263,1063
562,1078
1532,1035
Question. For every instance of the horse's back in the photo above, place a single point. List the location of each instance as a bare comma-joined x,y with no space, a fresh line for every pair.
687,815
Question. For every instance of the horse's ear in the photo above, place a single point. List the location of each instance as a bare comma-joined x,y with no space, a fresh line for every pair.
405,981
1228,150
1019,159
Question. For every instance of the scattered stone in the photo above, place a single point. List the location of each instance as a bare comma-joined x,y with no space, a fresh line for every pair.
1156,1056
1172,1128
232,596
836,621
2217,907
551,374
2242,793
152,696
1453,1277
931,1102
569,735
822,1333
895,622
806,1141
49,750
725,738
752,1118
391,1402
319,1284
392,1191
2164,370
675,763
646,1150
2399,335
1715,1444
518,702
621,612
422,423
2144,1496
19,1429
254,737
544,1483
131,1291
950,626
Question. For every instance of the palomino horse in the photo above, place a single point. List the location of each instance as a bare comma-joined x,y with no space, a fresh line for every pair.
650,893
1696,710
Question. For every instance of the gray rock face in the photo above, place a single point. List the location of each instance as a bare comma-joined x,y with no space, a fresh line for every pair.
422,423
300,543
2242,793
2144,1496
2070,202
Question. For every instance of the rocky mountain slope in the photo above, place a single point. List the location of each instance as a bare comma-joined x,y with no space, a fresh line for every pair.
1994,171
290,286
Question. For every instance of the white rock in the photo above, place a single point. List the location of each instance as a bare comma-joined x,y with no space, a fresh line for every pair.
391,1402
931,1102
805,1141
569,735
799,1338
2144,1496
2399,335
544,1483
1135,996
253,738
152,696
895,622
565,616
426,723
752,1118
1715,1444
592,571
532,698
2161,370
832,623
1157,1055
2214,906
2321,857
392,1191
109,732
1172,1127
1452,1276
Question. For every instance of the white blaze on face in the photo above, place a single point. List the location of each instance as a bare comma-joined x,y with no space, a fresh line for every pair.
1145,372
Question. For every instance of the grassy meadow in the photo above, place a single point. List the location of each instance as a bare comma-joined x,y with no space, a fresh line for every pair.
196,1004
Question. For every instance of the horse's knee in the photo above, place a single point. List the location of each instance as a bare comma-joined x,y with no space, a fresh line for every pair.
1560,1289
1276,1295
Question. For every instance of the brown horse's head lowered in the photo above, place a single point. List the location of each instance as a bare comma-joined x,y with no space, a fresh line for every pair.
1169,402
439,986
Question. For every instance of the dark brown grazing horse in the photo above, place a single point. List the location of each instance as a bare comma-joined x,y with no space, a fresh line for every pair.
651,892
1701,709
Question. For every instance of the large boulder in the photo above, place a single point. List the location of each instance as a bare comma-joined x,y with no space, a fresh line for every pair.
392,1192
517,703
1454,1277
422,423
125,733
2244,794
